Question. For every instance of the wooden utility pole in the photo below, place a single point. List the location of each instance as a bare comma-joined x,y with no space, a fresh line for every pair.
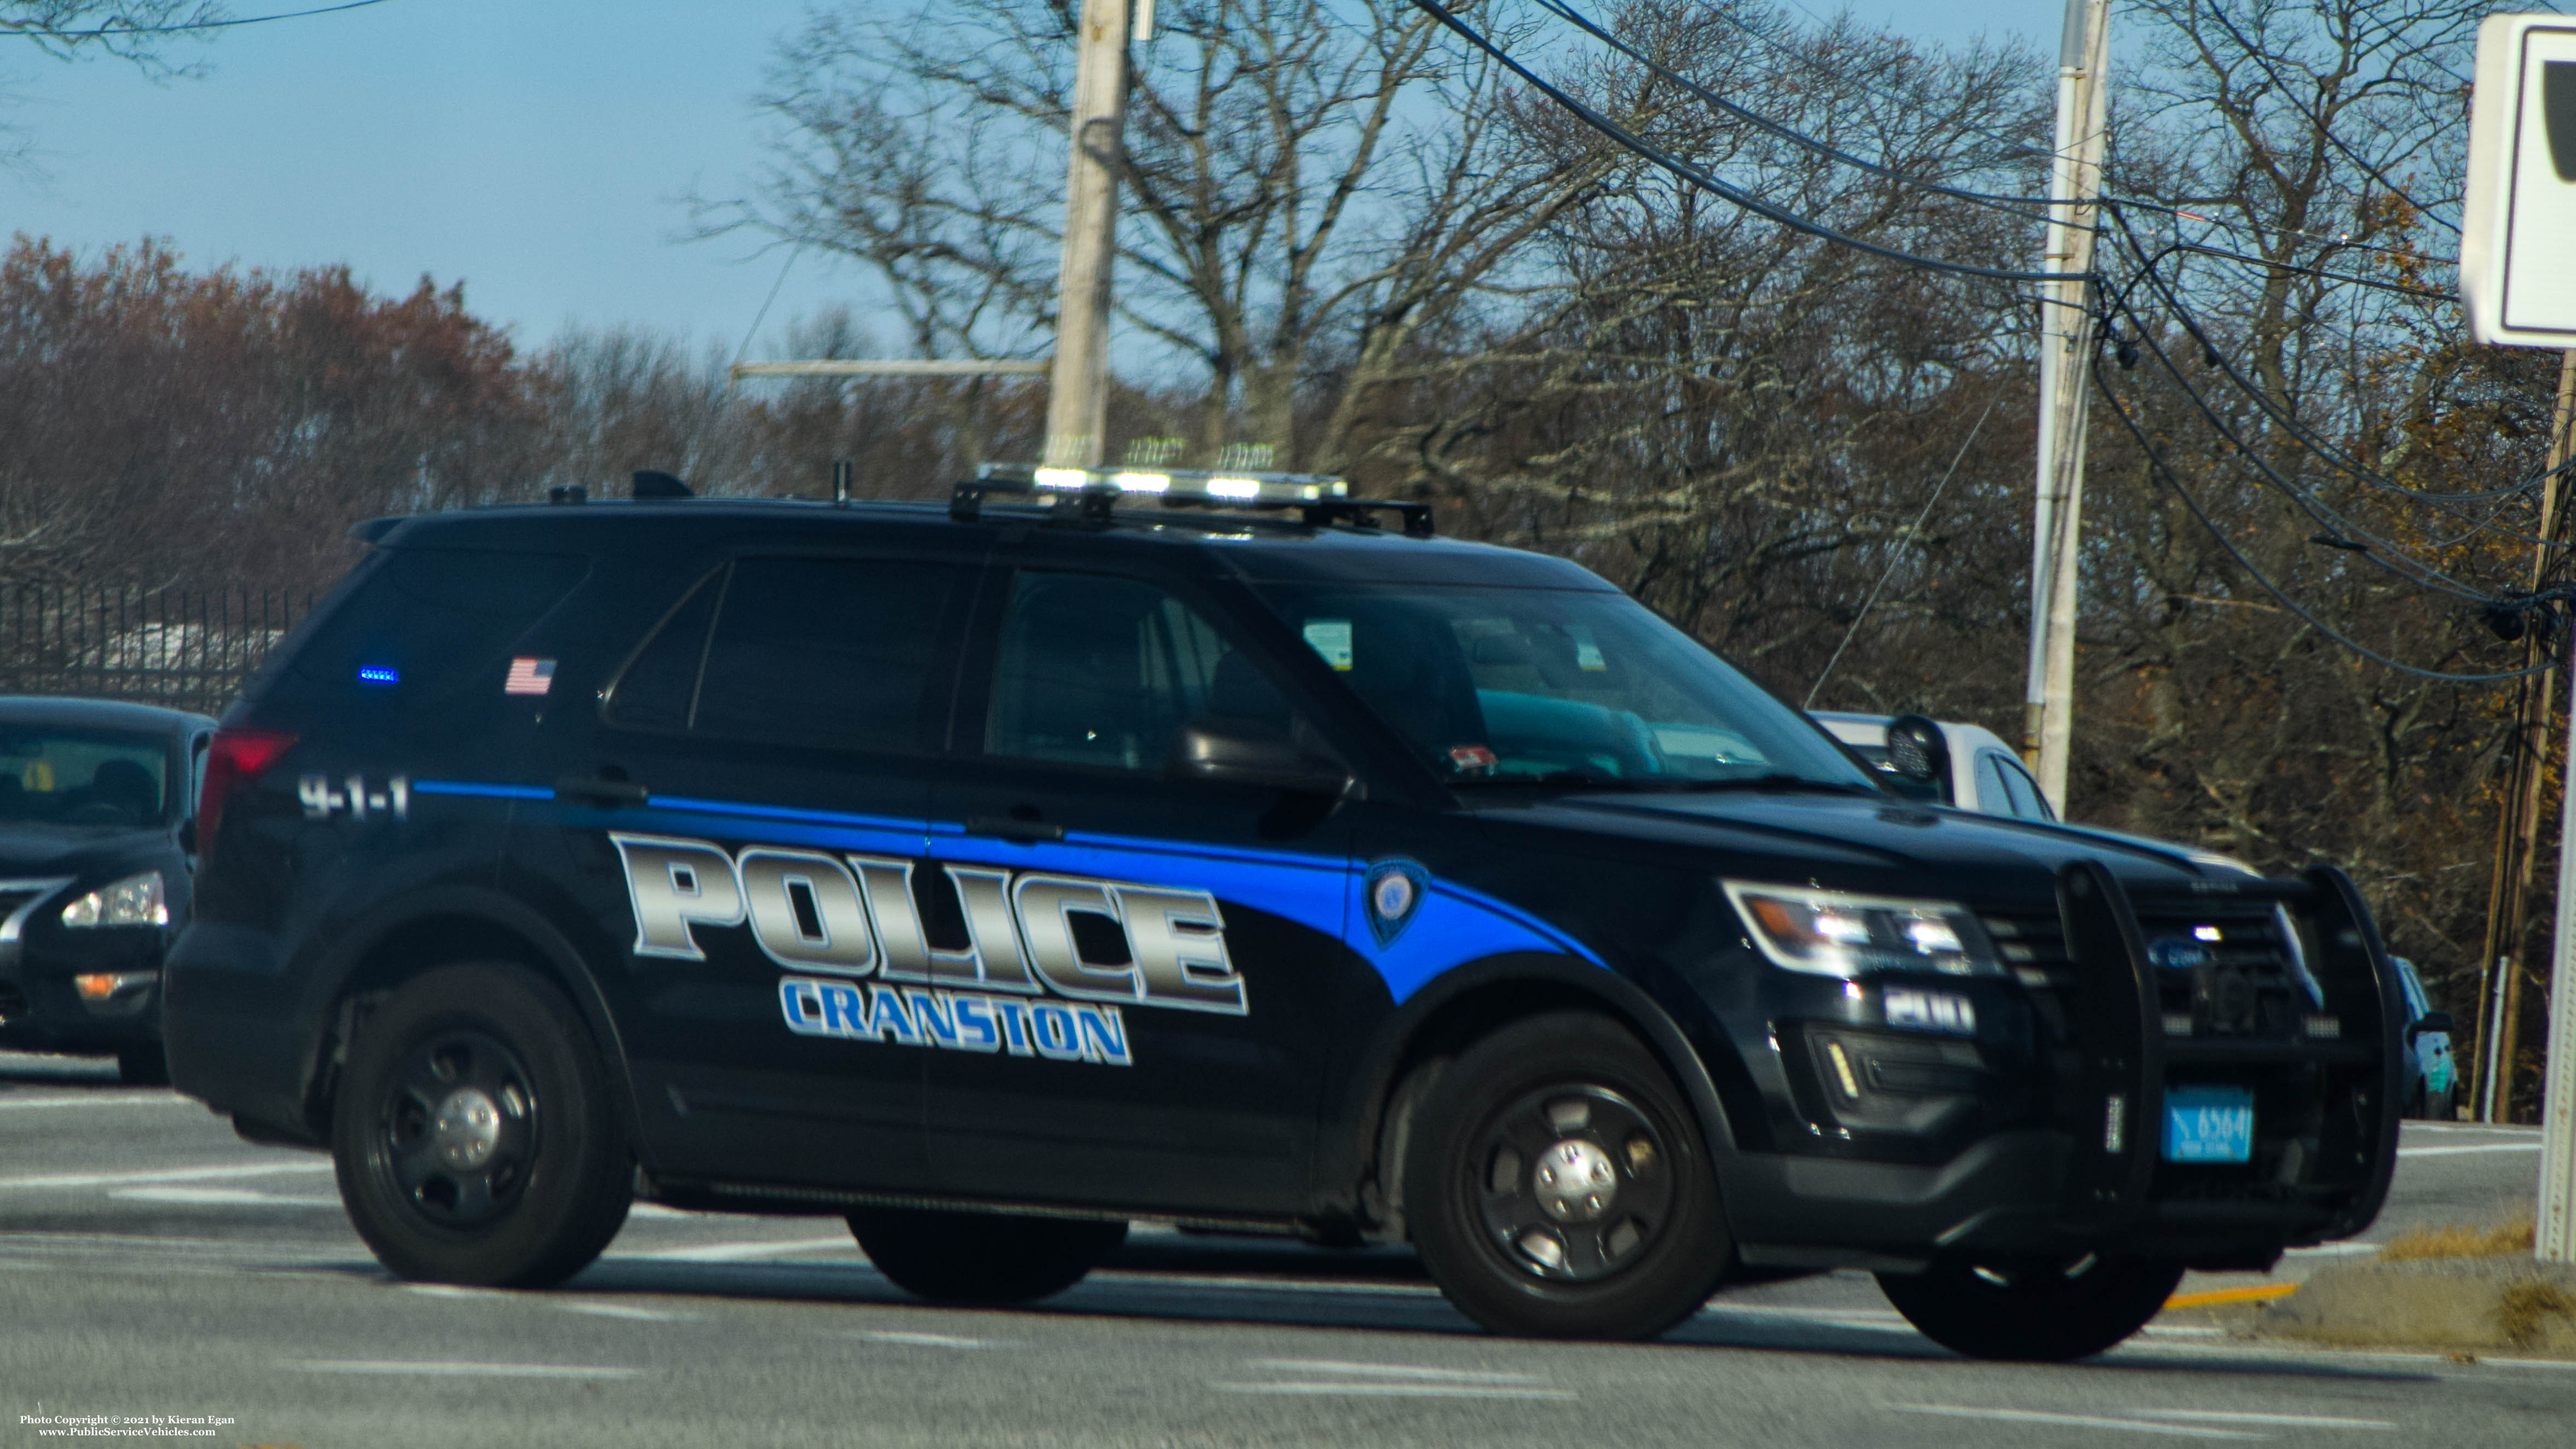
2518,834
2066,341
1078,397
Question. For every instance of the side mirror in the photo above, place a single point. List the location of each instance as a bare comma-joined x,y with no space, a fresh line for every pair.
1239,752
2430,1021
1918,749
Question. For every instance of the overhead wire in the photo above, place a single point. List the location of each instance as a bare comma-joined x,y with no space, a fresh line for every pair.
2325,131
33,33
1709,182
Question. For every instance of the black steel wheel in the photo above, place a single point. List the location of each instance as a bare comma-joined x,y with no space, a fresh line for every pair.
473,1135
964,1257
1558,1187
2045,1312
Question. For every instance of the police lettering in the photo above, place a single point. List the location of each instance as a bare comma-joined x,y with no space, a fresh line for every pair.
854,916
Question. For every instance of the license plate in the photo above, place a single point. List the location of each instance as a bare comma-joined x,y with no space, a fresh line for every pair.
2209,1124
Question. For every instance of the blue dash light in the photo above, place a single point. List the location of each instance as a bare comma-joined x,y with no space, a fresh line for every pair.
379,674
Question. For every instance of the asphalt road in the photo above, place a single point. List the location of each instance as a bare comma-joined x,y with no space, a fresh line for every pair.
153,1264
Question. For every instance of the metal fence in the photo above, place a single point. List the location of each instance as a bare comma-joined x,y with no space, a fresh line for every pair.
186,648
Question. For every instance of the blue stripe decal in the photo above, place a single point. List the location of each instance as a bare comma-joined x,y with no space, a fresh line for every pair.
486,792
1453,926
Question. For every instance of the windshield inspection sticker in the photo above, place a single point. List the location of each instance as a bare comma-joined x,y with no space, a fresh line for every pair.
1330,638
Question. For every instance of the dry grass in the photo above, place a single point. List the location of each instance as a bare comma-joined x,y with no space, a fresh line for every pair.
2459,1240
2527,1308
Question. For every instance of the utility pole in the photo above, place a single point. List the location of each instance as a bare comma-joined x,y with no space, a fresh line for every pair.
2066,341
2518,833
2555,1235
1078,397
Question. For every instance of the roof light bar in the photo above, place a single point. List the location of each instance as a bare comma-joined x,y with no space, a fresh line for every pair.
1283,490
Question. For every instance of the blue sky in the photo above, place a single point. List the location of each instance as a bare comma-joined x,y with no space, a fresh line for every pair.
535,149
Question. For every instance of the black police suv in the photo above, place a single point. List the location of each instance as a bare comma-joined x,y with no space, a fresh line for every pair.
95,859
996,874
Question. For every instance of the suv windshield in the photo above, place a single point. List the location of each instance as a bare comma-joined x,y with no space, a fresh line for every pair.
81,777
1510,685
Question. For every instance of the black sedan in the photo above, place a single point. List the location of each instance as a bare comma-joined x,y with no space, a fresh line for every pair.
97,807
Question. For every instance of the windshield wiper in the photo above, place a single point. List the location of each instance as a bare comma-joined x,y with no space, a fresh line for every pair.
1579,779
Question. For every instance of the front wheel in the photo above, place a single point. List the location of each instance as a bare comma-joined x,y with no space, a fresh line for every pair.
982,1258
2033,1312
473,1134
1557,1187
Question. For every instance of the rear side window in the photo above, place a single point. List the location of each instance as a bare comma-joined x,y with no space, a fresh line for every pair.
428,617
811,651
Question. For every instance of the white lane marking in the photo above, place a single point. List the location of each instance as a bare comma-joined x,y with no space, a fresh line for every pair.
925,1340
2074,1421
1400,1391
1129,1277
623,1310
740,1252
167,1174
224,1196
2287,1421
1391,1371
1793,1310
656,1210
451,1290
102,1099
2332,1250
2457,1151
458,1370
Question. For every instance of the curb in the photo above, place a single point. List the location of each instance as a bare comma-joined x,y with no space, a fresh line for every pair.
2459,1303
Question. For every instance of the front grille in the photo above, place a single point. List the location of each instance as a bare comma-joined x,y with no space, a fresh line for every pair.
2226,968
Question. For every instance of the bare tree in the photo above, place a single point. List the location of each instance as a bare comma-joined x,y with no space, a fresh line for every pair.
140,31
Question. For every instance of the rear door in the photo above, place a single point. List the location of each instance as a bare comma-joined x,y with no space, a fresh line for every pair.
712,817
1165,1001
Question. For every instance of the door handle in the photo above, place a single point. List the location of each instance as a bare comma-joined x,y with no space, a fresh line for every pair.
596,791
1004,827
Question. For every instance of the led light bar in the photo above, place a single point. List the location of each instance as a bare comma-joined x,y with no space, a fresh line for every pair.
1280,490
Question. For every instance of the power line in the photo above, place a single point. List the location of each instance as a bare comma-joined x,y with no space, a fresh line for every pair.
1704,180
2157,464
2011,205
33,33
2219,14
1890,572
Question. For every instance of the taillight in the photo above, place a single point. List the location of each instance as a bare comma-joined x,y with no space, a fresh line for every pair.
235,761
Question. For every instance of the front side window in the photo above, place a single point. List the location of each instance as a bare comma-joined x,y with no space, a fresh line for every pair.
1547,685
1104,672
834,652
102,778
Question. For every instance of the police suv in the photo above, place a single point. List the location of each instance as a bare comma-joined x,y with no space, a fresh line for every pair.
1193,849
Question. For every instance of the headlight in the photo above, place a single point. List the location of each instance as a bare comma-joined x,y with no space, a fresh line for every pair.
133,901
1830,933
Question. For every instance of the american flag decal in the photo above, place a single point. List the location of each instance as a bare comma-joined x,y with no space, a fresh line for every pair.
529,676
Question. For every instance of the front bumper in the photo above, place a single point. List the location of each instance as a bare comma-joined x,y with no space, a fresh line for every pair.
2082,1167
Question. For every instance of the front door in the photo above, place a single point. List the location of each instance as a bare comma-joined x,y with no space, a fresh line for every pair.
1165,1001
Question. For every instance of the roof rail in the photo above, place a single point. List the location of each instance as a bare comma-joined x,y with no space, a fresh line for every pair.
1091,493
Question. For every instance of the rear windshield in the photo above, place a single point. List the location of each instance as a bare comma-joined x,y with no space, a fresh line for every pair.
426,617
1502,685
104,778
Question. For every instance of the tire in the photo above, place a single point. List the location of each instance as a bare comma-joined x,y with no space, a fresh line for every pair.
2036,1313
474,1136
982,1258
1497,1189
142,1065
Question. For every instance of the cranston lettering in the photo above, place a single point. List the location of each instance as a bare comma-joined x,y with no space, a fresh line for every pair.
961,1021
854,916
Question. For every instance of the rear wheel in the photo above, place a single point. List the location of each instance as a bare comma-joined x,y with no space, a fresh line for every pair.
473,1135
1557,1187
954,1257
2042,1313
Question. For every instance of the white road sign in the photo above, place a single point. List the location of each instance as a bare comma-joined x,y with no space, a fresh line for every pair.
2518,247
